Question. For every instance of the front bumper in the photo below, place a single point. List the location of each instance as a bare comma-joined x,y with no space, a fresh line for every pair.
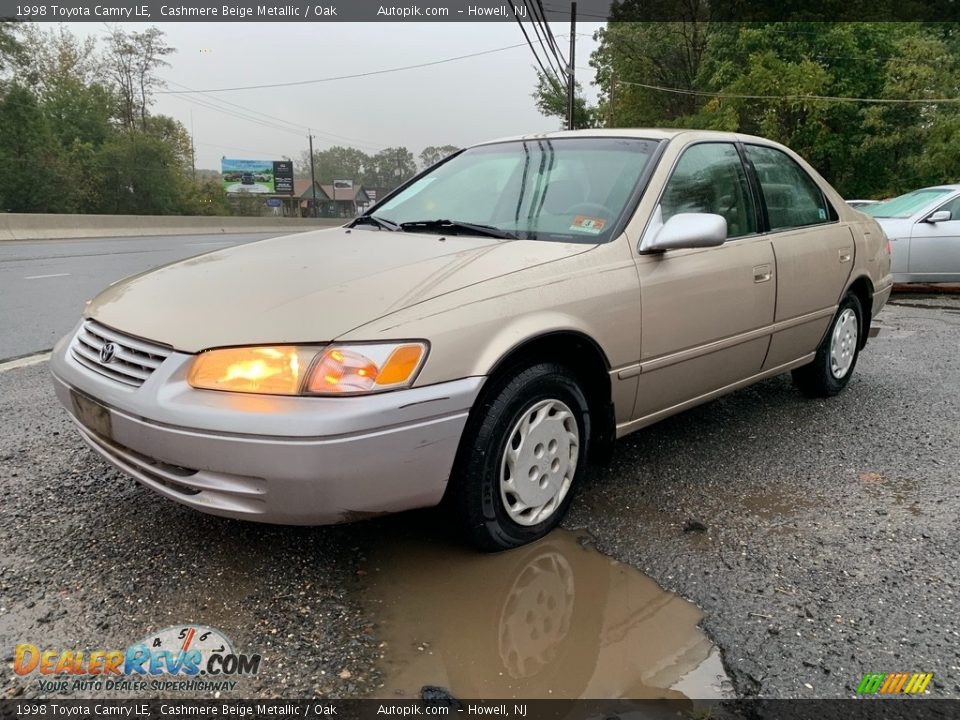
286,460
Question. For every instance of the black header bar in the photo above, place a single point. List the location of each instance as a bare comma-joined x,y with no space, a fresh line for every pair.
326,11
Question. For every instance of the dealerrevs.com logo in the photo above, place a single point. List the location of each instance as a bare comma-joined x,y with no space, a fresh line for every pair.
894,683
190,658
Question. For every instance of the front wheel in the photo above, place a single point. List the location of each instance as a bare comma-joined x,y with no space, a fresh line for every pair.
837,355
522,453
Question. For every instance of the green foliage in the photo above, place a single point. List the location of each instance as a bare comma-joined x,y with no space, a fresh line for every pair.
386,168
334,163
140,175
390,167
31,176
10,47
771,80
551,99
133,60
84,140
207,198
433,154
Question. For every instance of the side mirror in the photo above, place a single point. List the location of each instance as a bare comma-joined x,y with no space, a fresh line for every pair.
690,230
939,216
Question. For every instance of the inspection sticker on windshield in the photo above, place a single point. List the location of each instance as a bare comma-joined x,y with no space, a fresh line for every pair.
592,225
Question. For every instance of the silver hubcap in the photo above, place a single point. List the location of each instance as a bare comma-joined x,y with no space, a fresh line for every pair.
843,344
537,468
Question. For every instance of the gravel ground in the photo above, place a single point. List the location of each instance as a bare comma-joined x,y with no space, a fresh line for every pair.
831,544
819,537
89,559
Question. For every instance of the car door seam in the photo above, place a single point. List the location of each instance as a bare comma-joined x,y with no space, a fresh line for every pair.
776,296
664,361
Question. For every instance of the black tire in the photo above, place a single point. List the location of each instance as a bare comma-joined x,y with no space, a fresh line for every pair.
818,379
473,496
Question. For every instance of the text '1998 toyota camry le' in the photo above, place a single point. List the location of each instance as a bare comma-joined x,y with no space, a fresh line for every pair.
479,333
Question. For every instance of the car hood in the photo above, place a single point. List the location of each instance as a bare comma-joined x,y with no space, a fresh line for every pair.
306,288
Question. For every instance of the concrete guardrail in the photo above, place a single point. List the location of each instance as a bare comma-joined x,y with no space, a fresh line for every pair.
27,226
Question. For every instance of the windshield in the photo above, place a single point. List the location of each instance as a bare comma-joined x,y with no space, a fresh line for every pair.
906,205
567,189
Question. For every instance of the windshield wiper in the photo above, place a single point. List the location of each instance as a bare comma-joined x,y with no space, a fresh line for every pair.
378,221
455,225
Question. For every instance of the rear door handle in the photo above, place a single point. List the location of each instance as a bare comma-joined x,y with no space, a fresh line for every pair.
845,256
762,273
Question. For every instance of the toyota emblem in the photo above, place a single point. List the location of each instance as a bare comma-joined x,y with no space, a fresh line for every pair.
107,352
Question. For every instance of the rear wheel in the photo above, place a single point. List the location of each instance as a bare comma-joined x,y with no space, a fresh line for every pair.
521,456
837,355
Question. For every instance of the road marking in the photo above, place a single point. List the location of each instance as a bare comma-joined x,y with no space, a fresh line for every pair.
24,362
223,242
38,277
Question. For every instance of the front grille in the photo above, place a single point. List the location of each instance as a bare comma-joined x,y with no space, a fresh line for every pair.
132,361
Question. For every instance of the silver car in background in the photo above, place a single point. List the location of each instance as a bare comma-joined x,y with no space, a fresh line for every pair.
924,231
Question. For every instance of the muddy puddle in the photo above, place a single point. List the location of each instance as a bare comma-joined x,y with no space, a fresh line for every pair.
556,619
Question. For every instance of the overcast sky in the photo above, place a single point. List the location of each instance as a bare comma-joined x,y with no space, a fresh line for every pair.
456,103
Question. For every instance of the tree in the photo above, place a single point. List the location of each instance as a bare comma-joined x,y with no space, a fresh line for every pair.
433,154
334,163
50,58
206,197
84,139
551,100
657,54
389,168
31,178
10,48
133,60
142,176
913,144
783,81
174,135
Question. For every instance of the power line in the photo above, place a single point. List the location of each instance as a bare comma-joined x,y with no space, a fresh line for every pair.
344,77
550,75
241,116
561,11
812,55
537,7
249,114
267,154
215,100
828,98
541,34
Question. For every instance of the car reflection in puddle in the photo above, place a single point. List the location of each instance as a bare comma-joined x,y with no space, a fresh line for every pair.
555,619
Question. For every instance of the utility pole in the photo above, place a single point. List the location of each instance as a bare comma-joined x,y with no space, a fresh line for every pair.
193,150
313,176
571,74
611,101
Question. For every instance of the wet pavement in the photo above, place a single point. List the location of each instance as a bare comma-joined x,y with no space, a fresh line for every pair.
817,539
553,620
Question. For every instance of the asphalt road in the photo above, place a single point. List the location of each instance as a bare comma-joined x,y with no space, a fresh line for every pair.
819,537
44,284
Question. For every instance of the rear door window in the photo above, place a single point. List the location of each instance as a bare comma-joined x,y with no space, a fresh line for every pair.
792,197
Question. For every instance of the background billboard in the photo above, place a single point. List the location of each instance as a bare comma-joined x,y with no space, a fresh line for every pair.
283,177
257,176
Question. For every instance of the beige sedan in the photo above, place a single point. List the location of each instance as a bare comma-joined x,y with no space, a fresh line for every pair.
478,335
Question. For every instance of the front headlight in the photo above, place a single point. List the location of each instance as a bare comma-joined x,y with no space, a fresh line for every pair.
292,370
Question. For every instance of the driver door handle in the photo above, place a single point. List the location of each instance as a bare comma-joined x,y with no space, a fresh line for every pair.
762,273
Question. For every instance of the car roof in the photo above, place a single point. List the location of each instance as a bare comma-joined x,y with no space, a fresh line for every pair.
644,133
